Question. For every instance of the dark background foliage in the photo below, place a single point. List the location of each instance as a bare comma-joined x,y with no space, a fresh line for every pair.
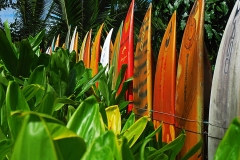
57,15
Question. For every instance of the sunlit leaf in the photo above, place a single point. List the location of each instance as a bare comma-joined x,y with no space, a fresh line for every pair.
133,133
114,119
105,147
87,121
229,147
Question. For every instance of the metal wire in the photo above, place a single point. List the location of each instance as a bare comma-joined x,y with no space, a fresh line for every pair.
204,123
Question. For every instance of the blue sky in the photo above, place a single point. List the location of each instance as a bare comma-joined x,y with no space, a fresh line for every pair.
7,14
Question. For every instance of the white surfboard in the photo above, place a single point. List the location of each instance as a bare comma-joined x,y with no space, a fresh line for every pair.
106,51
67,38
73,40
225,93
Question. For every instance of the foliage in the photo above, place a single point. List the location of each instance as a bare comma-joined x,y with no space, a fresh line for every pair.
216,17
55,111
229,147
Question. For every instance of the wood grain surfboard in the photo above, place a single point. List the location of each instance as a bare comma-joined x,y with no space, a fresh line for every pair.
142,81
95,56
87,54
189,82
126,50
225,93
165,83
111,54
116,48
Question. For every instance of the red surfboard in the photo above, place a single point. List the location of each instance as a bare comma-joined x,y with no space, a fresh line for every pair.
126,51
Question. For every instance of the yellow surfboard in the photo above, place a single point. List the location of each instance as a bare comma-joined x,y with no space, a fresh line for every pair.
142,82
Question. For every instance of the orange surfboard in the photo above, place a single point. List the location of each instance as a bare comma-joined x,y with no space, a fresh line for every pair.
126,50
165,83
190,81
87,54
76,46
142,82
96,52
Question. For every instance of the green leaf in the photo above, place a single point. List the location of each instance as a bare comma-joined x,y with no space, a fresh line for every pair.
72,59
229,147
175,144
15,101
26,57
36,41
130,121
70,112
193,150
2,95
126,152
123,105
105,147
142,151
38,76
104,90
48,103
7,31
123,91
87,75
75,75
71,146
31,91
133,133
59,66
6,146
34,137
92,81
87,121
7,54
121,76
60,102
43,59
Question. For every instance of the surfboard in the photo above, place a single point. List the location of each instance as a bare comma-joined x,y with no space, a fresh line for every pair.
190,81
142,81
105,54
87,54
116,48
96,52
57,42
126,51
71,47
52,45
225,93
111,54
66,44
76,46
82,49
165,83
